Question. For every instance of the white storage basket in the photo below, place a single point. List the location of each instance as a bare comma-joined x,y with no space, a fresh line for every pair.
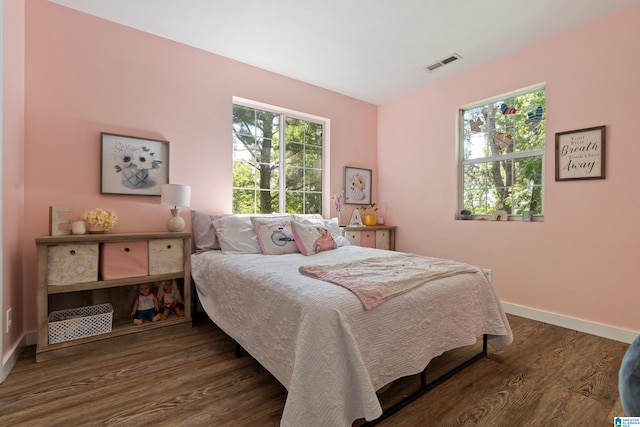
81,322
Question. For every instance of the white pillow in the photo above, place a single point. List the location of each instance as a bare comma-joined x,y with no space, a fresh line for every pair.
236,235
312,238
274,234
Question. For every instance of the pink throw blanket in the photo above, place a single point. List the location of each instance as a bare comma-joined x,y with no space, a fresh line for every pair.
377,279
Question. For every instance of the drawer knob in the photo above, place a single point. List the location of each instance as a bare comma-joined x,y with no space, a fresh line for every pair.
127,249
168,246
72,252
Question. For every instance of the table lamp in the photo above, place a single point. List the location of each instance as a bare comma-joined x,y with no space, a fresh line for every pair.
175,195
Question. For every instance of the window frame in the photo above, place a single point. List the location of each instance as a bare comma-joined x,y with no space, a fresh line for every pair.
461,162
284,114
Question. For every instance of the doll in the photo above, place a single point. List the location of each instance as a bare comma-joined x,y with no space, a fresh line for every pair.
170,299
145,305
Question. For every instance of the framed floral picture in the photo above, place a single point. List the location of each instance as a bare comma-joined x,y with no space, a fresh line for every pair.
357,186
133,166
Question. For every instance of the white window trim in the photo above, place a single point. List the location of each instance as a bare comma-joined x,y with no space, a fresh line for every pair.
460,163
326,152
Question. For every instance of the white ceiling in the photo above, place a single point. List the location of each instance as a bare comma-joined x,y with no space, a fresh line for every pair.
372,50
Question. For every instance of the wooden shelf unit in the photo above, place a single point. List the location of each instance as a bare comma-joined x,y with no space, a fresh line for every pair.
115,291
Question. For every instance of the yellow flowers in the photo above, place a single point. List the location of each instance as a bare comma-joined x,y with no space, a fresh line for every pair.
101,218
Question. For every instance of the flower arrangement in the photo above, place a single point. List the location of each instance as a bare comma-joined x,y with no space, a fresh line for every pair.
100,218
369,209
134,163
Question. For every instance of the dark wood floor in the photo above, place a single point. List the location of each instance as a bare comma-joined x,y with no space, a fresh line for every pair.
549,376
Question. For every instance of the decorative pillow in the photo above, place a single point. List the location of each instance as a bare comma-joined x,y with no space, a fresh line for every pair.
236,235
312,238
331,224
274,234
204,236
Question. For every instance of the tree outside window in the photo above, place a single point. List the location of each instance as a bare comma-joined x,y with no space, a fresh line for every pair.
502,153
271,174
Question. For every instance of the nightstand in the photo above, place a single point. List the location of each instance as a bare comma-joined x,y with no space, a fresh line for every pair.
376,236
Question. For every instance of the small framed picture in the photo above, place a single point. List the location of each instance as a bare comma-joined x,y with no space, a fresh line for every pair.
133,166
580,154
357,186
527,216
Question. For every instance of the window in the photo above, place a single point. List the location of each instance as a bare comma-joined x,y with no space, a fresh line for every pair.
272,173
502,154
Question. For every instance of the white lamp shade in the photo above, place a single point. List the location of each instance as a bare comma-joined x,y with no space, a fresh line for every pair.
175,195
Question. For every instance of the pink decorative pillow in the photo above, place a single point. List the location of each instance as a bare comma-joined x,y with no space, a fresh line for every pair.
274,234
312,238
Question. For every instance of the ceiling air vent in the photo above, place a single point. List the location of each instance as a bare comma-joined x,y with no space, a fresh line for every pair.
445,61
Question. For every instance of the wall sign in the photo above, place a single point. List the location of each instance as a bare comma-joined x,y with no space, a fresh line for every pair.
580,154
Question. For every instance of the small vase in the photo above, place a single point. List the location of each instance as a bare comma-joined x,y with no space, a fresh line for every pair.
369,220
134,177
95,229
78,227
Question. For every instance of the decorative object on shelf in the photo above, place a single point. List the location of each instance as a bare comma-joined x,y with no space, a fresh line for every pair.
337,203
500,215
175,195
55,221
580,154
134,166
356,219
465,214
78,227
527,216
357,186
379,220
100,220
369,213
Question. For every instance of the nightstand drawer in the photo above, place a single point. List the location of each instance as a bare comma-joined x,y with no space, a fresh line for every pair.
72,263
166,256
124,259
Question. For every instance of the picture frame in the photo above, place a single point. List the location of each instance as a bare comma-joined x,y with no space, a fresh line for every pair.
580,154
527,216
357,186
133,166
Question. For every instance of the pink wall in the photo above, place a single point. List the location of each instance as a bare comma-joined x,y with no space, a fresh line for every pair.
581,261
12,169
85,75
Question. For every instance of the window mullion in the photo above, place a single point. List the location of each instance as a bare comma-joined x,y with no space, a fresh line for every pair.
282,186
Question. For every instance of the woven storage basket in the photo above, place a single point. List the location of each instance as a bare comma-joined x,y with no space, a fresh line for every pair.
81,322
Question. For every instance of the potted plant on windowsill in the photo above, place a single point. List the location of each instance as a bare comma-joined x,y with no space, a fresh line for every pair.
369,214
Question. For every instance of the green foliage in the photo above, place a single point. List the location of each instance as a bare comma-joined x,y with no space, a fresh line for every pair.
509,178
257,170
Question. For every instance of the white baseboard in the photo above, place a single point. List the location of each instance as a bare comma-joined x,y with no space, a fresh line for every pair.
14,354
605,331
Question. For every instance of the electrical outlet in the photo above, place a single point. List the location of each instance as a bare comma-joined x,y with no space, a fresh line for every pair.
487,273
8,323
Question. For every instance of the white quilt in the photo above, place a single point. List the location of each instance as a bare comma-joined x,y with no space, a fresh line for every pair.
319,342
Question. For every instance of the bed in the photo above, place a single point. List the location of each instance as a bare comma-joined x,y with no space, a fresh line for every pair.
318,338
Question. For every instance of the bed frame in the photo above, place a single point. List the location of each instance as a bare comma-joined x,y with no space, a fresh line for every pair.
424,388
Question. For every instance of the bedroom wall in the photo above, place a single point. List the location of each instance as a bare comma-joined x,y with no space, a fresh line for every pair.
13,67
581,261
85,75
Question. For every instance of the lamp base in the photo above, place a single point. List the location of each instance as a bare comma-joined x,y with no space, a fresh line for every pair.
175,223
